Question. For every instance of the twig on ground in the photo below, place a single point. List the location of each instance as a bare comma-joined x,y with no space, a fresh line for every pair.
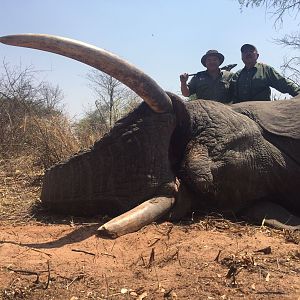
151,259
84,251
113,246
107,254
48,278
78,277
154,242
218,256
28,272
107,286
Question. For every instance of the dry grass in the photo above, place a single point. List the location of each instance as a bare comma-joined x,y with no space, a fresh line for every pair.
42,141
20,182
52,139
47,140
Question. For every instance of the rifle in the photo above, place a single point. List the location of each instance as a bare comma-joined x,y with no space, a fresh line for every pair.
226,68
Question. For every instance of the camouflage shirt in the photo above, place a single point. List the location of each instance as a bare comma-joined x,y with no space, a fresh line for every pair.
254,84
208,88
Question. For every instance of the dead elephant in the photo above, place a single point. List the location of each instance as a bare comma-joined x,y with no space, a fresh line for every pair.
169,156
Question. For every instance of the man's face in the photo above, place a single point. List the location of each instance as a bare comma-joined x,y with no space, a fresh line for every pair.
249,56
212,62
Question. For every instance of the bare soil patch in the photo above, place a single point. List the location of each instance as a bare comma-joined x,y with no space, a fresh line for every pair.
50,257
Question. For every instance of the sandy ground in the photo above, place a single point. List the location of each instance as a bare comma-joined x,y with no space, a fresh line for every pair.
208,258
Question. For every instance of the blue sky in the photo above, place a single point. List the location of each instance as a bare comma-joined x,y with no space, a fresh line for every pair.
164,38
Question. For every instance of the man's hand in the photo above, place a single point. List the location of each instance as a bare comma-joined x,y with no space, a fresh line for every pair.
184,88
184,77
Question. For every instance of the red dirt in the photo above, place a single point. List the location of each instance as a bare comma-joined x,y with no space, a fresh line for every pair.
209,258
163,261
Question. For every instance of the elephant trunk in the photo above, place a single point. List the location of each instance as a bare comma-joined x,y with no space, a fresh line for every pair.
117,173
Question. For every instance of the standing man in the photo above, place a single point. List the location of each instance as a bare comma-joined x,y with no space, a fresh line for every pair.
253,82
212,84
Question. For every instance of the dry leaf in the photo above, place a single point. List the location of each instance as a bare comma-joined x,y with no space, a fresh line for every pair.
142,296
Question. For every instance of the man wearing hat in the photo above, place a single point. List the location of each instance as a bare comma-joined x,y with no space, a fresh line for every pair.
212,84
253,82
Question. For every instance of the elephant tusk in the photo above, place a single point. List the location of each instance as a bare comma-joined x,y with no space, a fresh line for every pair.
136,218
272,214
135,79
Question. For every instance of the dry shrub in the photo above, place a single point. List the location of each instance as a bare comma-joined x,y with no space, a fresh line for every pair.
20,181
50,139
88,131
31,118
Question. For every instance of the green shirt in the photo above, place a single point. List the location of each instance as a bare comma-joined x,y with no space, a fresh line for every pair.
208,88
254,84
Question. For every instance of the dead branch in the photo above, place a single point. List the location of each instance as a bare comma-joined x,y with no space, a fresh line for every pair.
83,251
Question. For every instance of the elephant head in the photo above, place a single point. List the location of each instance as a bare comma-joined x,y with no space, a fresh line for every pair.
172,153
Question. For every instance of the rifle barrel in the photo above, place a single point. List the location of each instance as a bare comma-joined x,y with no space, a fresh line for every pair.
227,67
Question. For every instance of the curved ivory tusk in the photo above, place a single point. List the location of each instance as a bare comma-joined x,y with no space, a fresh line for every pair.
136,218
100,59
272,214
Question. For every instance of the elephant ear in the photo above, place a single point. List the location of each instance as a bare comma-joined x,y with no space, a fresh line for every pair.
280,122
281,118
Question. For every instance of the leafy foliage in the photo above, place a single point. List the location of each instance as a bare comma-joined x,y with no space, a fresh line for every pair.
279,8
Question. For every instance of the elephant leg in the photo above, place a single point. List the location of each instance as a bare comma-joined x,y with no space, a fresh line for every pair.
272,214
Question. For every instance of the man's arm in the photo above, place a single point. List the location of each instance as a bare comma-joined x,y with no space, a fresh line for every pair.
282,84
233,88
184,88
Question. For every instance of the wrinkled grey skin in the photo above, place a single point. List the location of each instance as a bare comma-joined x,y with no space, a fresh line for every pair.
226,162
126,167
242,159
236,163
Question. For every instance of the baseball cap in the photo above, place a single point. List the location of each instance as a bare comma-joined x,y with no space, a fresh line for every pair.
248,46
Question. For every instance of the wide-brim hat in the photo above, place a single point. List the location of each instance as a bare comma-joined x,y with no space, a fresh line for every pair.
212,53
248,46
